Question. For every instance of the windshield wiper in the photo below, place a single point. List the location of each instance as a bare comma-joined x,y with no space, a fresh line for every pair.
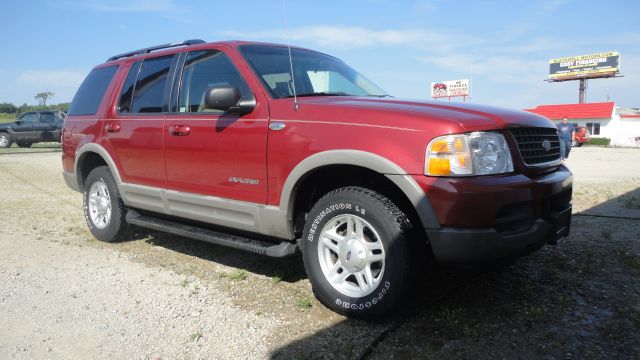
322,93
382,96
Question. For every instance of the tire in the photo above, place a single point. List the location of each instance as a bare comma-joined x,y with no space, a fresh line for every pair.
5,140
575,143
104,210
370,268
24,144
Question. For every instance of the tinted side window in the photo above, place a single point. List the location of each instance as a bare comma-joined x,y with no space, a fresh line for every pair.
126,94
87,99
46,118
29,118
148,93
204,70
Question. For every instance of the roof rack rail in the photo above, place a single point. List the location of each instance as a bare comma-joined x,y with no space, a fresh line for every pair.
157,47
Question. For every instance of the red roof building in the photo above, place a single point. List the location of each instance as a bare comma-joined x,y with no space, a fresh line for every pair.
603,119
602,110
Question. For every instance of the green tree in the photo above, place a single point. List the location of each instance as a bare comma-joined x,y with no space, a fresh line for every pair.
8,108
61,106
23,108
43,96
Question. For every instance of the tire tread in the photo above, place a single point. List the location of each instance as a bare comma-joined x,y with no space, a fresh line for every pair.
121,228
403,226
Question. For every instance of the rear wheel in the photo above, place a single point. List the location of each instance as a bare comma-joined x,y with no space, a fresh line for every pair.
104,210
5,140
24,144
356,253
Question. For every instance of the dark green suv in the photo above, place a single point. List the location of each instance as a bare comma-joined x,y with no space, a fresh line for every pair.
32,127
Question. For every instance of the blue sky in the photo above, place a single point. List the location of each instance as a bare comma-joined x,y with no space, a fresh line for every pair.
503,46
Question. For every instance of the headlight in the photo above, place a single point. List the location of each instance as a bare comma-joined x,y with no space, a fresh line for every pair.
477,153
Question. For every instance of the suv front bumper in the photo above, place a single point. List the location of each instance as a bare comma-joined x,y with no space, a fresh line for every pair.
454,245
486,219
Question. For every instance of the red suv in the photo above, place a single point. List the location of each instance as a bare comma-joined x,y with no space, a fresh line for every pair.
272,150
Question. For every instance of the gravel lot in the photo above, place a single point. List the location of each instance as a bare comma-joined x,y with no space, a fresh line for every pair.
65,295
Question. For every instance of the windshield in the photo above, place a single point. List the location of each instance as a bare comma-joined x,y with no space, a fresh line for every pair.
316,74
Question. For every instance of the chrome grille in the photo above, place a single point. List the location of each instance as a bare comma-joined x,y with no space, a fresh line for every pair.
530,143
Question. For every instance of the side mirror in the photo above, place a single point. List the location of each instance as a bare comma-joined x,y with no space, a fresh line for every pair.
227,98
18,122
221,98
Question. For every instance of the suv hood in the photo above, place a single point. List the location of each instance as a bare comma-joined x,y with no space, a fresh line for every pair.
413,114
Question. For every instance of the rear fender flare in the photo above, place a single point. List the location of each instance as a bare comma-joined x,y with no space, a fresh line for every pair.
103,153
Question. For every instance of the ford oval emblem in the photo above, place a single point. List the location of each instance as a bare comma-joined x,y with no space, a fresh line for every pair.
546,145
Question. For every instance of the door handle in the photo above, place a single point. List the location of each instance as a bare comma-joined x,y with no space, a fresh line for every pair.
112,128
179,130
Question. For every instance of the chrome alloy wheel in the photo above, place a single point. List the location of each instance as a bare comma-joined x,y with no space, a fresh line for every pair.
351,255
99,204
4,140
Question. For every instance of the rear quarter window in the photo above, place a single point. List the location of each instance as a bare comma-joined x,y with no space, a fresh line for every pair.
91,91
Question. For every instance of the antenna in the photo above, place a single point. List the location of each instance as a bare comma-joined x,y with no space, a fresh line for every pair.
286,32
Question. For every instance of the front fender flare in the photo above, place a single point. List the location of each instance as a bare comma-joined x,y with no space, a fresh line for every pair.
377,163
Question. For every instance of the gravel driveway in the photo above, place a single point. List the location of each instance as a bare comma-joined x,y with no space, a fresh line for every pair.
62,299
67,296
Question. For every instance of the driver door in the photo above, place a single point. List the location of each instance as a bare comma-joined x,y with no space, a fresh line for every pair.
206,151
25,128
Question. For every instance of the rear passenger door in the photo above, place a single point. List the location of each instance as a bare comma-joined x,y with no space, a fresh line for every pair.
47,128
133,134
207,151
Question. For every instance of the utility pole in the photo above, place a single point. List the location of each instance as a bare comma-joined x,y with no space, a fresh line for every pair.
583,91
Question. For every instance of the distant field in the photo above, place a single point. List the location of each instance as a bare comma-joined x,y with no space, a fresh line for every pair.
4,118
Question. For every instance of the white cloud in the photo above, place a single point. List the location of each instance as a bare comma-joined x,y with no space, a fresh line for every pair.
348,36
423,7
553,5
509,58
533,46
49,79
21,86
501,68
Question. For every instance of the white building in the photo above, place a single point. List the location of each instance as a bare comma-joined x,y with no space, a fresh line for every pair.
621,125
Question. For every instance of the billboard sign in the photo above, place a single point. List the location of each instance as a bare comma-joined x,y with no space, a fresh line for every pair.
585,66
450,88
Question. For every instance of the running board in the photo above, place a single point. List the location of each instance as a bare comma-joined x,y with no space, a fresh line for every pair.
237,242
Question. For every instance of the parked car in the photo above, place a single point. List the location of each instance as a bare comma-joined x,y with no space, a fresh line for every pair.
32,127
580,136
276,150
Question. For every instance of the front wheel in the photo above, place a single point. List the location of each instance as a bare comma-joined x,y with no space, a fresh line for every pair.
5,140
104,210
356,253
